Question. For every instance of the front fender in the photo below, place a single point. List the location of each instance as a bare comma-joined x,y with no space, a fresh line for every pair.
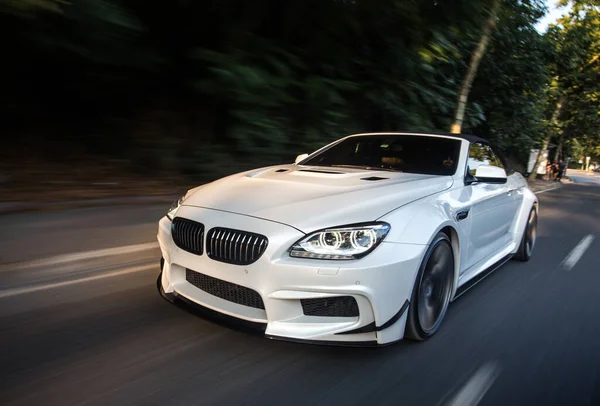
529,200
418,223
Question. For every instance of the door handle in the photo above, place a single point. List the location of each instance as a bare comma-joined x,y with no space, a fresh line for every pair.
461,215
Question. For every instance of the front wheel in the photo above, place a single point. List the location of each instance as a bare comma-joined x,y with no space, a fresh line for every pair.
529,237
433,287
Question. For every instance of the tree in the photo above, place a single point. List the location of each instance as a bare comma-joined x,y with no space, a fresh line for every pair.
190,85
546,142
510,91
463,94
576,68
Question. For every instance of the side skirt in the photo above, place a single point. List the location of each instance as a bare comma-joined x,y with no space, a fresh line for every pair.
480,276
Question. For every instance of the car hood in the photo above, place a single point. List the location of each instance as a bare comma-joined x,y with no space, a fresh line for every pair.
311,198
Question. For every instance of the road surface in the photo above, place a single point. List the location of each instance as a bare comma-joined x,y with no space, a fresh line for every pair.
584,177
92,330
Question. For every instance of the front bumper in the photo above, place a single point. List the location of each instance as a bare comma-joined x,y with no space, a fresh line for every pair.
381,283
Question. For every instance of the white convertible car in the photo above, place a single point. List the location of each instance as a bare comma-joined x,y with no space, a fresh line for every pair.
362,242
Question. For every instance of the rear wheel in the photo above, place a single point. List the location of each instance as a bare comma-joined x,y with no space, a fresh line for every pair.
433,287
529,237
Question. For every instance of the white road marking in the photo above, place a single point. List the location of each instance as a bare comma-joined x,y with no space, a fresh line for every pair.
79,256
31,289
546,190
574,256
478,384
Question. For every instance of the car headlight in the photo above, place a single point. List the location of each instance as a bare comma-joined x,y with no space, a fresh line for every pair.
174,207
349,242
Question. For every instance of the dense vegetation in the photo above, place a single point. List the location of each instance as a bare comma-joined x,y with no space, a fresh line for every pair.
576,80
186,86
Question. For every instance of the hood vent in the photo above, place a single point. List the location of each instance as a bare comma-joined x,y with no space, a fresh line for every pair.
373,178
320,171
282,170
253,174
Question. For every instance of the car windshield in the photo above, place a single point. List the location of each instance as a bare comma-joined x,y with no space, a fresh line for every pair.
403,153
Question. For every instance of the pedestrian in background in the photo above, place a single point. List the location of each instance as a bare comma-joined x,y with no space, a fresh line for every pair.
549,170
561,170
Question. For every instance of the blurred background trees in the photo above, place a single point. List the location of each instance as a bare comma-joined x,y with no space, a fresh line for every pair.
206,88
576,69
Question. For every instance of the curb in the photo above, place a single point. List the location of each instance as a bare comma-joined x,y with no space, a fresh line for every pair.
20,207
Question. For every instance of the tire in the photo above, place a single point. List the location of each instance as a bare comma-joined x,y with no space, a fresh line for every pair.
529,238
431,293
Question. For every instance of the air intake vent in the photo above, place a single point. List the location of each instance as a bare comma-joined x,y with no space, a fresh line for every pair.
373,178
282,170
341,306
225,290
235,246
188,235
318,171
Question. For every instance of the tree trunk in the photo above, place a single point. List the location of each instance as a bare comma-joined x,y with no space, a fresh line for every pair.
559,148
465,89
546,142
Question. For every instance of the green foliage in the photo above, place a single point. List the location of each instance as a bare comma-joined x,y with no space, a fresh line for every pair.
187,86
511,81
576,67
30,8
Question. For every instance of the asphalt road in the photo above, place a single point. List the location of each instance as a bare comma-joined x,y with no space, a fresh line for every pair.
94,331
584,177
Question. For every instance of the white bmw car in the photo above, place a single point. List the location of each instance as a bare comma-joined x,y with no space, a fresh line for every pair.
363,242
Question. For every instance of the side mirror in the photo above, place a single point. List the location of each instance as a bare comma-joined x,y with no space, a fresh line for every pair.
300,158
490,174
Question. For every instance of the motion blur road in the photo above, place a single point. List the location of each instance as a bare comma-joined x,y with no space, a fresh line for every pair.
91,329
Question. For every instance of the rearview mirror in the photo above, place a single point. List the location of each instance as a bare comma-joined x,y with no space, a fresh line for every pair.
490,174
301,158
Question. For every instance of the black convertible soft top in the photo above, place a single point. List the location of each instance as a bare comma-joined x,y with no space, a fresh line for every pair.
471,138
468,137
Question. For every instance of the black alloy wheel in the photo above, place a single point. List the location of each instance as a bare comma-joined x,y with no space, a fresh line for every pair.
529,238
433,287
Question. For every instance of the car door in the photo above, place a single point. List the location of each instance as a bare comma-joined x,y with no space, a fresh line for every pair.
516,184
492,208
